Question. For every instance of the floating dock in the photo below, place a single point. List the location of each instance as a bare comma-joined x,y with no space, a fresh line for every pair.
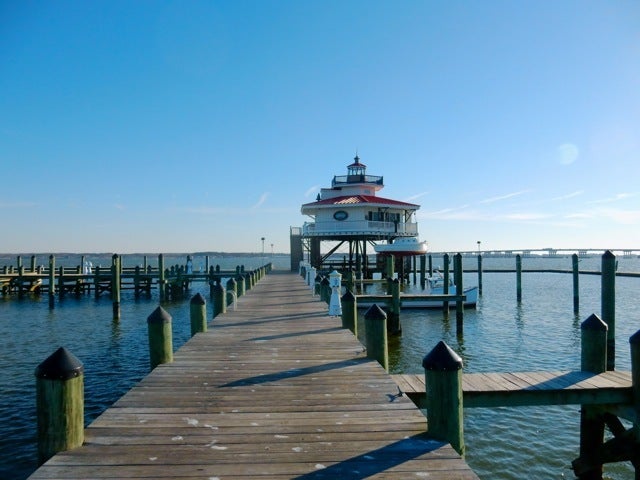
274,389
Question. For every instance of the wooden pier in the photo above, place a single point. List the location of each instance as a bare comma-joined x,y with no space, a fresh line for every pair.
274,389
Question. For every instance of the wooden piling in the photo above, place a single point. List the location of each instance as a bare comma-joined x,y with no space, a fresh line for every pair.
350,312
423,271
198,314
576,283
115,285
33,264
608,313
518,278
60,404
389,271
61,291
161,277
219,299
593,359
393,317
160,337
375,326
232,291
52,281
480,274
457,279
443,377
445,274
241,285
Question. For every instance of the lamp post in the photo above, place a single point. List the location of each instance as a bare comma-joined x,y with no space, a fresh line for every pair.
262,249
478,247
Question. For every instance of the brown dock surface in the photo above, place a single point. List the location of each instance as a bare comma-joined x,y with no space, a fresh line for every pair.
275,389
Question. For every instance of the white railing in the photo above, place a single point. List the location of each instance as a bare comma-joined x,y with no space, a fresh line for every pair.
358,227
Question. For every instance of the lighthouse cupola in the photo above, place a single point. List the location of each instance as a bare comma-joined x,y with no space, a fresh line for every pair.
357,168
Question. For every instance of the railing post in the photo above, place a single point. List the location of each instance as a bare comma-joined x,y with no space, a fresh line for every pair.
60,404
232,290
198,314
445,279
241,286
443,377
376,335
160,337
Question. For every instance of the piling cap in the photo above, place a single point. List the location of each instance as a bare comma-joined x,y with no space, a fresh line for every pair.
375,313
232,282
608,254
198,299
348,297
60,365
442,359
635,338
594,322
325,281
159,315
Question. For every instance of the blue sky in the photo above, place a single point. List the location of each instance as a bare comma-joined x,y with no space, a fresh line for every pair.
170,126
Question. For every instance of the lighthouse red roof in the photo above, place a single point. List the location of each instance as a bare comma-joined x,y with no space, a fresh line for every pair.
360,200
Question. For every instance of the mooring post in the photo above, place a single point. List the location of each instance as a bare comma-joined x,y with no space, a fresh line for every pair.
160,339
350,312
634,343
52,281
443,377
393,317
33,263
198,314
60,404
375,327
115,285
518,278
480,274
576,284
423,271
219,299
445,290
136,282
608,313
457,279
593,358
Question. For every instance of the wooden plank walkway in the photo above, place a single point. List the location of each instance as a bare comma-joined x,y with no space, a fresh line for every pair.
530,388
273,390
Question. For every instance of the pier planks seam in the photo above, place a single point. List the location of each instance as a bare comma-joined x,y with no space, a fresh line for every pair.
274,389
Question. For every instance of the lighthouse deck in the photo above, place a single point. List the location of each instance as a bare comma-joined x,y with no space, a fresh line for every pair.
274,389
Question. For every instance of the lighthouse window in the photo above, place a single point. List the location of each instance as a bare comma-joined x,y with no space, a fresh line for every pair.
340,215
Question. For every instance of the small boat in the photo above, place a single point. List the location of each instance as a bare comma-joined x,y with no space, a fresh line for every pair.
402,246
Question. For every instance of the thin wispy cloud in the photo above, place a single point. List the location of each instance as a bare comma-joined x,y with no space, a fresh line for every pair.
504,197
415,197
568,196
261,200
119,206
615,198
311,190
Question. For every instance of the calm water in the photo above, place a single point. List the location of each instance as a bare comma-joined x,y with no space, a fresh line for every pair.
541,332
